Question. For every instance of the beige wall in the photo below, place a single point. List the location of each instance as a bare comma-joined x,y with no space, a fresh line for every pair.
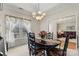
68,22
59,12
78,30
13,12
34,24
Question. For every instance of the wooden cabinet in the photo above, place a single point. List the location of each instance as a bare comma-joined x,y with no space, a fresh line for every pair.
72,34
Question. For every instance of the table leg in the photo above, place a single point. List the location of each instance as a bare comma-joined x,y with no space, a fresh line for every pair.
46,52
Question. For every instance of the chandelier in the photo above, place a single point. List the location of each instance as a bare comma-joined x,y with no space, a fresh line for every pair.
38,15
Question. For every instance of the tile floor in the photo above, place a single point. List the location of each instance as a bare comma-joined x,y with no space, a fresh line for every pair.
19,51
23,51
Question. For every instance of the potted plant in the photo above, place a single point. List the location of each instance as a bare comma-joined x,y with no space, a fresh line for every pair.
42,34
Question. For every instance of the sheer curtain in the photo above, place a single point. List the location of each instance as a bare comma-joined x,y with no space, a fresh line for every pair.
27,25
10,21
16,30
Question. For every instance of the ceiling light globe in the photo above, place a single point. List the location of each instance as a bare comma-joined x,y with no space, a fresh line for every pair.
39,12
44,14
38,17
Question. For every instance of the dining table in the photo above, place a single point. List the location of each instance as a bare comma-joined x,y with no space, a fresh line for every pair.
47,44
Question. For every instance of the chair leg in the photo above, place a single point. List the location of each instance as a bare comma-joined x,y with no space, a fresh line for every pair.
60,46
44,52
30,52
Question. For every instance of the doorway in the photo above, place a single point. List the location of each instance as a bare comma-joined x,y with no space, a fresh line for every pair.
67,25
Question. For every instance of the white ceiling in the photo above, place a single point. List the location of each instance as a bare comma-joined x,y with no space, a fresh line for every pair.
30,6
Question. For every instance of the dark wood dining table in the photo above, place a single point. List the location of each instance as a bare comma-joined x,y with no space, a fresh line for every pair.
47,44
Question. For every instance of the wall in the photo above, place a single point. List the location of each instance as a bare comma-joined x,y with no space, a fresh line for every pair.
35,26
68,22
78,30
8,11
61,11
17,13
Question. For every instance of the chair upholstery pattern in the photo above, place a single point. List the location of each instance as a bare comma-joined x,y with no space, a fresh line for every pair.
49,35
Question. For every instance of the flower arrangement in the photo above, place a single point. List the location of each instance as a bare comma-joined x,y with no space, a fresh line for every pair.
42,34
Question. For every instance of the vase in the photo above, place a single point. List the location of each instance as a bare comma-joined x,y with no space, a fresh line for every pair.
43,37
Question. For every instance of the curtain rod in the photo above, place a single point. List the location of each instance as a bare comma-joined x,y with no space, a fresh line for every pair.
19,17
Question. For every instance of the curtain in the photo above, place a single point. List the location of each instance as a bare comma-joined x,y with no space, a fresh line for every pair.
16,30
9,26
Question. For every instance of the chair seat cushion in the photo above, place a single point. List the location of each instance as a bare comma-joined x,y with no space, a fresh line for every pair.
56,52
38,51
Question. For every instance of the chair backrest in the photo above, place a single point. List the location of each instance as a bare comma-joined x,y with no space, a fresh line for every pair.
49,35
66,44
1,54
2,48
31,42
31,36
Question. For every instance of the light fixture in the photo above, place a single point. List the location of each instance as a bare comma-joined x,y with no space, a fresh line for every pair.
38,15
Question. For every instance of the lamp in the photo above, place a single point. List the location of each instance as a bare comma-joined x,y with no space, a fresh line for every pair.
38,15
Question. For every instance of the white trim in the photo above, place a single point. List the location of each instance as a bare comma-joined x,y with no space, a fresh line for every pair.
76,29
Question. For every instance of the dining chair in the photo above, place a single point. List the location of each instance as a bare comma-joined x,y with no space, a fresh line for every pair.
2,52
49,35
34,49
60,52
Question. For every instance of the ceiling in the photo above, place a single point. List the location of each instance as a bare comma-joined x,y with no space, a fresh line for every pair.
31,7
